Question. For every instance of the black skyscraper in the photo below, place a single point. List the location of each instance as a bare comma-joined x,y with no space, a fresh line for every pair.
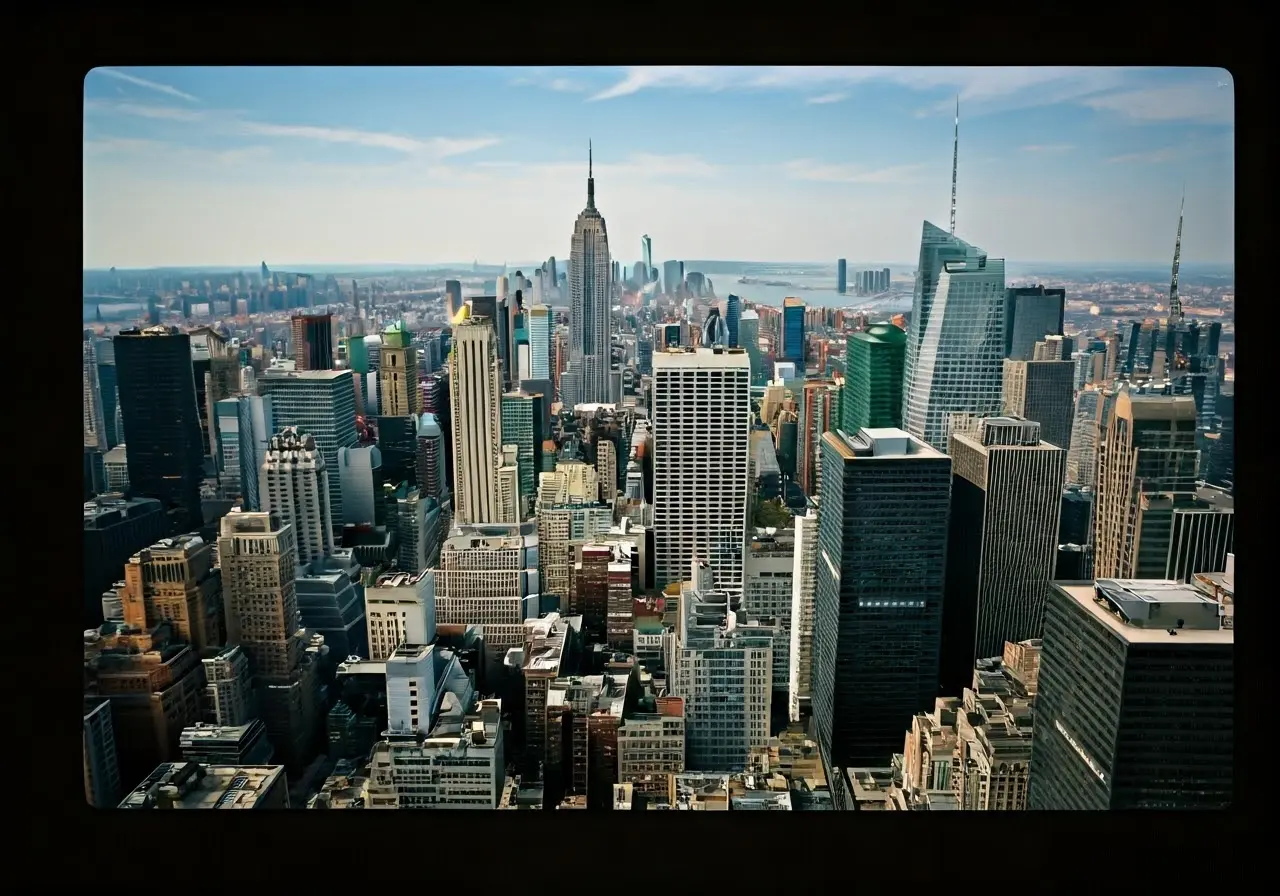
1135,707
1031,313
881,575
161,423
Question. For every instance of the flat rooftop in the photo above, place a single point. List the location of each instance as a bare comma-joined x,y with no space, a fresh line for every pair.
874,444
275,374
220,787
1144,612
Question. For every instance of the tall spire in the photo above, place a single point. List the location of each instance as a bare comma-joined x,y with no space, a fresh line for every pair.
591,181
955,160
1175,303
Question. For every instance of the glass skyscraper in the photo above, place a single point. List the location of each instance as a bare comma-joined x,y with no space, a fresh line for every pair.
793,332
871,397
733,319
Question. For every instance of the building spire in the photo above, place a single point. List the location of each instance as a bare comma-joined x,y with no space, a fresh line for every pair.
1175,303
955,159
591,181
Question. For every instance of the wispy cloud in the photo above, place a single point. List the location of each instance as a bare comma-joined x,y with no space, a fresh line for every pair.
437,147
163,149
826,98
1148,157
140,110
1048,147
143,82
809,169
1200,101
548,81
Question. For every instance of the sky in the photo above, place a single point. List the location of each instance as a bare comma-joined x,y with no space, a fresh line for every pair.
215,166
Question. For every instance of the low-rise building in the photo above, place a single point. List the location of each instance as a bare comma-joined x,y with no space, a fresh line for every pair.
193,785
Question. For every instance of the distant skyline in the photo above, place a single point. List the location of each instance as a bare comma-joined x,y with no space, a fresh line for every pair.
419,166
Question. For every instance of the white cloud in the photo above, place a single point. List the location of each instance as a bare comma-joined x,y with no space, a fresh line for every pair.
437,147
826,98
1148,157
1198,101
1048,147
143,82
140,110
162,152
808,169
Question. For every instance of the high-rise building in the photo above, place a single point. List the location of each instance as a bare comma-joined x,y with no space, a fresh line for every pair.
175,581
295,485
1042,391
803,589
101,766
600,592
435,400
360,474
590,303
1082,455
1147,463
331,603
95,424
400,608
1135,702
114,530
955,351
158,405
259,561
323,403
244,425
432,476
475,384
871,397
701,443
541,327
105,352
842,269
398,393
1006,494
881,576
522,427
767,597
228,688
312,341
793,336
1031,314
722,667
651,747
672,277
192,785
820,407
646,256
749,340
733,319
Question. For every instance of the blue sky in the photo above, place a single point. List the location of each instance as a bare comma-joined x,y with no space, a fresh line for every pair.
230,166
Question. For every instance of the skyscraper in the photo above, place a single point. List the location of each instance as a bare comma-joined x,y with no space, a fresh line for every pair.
244,425
398,392
541,327
646,255
882,546
1147,460
733,319
590,303
522,427
312,341
323,403
842,275
1135,702
793,332
452,298
1031,313
871,397
295,485
955,350
105,351
672,275
749,339
1042,391
158,404
95,424
701,437
475,385
1006,493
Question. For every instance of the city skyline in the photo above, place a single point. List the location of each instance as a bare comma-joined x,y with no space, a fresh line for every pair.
408,166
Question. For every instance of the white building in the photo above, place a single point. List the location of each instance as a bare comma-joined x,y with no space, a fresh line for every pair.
400,609
804,581
540,324
508,485
475,394
701,443
295,484
411,688
356,471
768,593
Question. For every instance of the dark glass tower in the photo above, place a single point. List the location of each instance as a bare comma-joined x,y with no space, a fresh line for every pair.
881,574
732,317
161,422
842,276
312,341
1136,699
1031,313
871,396
793,332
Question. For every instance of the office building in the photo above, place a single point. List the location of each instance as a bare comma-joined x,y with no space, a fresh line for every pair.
115,468
101,766
228,688
1006,494
418,523
1082,455
881,575
1031,314
411,688
244,744
540,324
701,439
820,412
749,340
359,476
871,396
175,581
1202,534
475,385
1097,744
722,667
803,589
561,527
430,463
400,608
158,406
244,425
600,591
651,747
522,427
258,554
313,343
1147,463
190,785
398,393
767,596
793,336
842,267
1042,391
108,392
114,530
590,304
548,650
295,485
95,424
331,603
321,403
733,320
955,350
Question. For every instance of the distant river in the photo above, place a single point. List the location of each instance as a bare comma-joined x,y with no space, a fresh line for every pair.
817,290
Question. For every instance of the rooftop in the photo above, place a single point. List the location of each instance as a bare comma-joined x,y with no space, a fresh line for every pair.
191,785
874,444
1152,611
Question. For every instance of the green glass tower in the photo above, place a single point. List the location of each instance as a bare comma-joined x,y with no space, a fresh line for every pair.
871,397
519,419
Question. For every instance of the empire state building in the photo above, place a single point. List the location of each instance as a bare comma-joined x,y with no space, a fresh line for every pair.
590,293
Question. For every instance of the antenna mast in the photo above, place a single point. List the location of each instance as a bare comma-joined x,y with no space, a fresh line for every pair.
1175,303
955,159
